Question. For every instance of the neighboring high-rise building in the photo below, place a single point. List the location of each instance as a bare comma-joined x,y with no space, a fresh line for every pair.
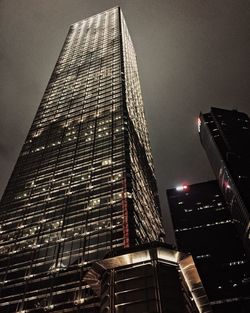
203,226
84,182
225,135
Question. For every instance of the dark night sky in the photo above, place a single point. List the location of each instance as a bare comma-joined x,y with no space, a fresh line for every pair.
192,54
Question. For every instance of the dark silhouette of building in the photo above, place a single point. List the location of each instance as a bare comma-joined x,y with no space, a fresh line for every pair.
84,182
204,227
225,136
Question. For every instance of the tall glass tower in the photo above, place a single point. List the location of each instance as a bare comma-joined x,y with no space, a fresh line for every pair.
225,136
84,182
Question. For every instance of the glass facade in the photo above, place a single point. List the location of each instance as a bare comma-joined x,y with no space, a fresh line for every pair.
153,278
225,135
84,182
204,227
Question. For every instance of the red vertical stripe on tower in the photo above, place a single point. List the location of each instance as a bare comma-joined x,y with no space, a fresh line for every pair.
125,213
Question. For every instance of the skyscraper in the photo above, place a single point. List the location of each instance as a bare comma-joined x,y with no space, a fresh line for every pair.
225,135
204,227
84,182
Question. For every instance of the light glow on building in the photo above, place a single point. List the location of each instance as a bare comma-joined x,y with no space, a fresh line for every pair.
182,188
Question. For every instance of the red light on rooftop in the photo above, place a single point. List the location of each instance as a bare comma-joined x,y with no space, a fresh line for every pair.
182,188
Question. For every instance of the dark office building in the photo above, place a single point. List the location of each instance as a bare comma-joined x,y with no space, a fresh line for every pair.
84,187
225,135
203,226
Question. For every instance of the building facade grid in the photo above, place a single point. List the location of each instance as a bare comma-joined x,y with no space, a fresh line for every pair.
84,182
